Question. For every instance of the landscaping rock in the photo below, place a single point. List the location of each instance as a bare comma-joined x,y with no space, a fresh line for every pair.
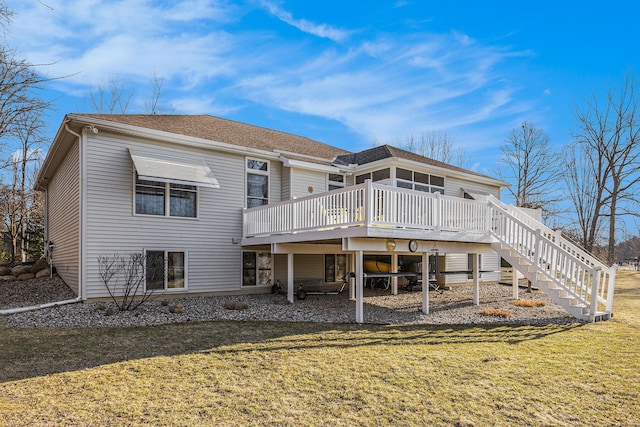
43,273
26,276
20,269
175,309
4,271
39,266
8,278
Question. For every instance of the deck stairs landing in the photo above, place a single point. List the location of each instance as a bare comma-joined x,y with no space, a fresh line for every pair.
569,275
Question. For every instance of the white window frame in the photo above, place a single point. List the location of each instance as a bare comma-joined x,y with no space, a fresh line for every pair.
257,269
337,184
413,183
167,199
248,171
165,289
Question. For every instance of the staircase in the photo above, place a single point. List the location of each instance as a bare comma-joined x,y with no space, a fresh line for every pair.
570,276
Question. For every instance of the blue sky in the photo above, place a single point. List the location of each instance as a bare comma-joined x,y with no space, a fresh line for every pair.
349,73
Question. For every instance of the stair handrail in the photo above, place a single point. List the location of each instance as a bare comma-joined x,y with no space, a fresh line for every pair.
598,290
547,231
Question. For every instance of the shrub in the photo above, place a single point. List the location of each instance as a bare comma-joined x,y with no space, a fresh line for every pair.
124,277
529,303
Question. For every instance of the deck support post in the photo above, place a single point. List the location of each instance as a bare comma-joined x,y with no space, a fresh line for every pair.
476,278
515,283
394,269
359,288
425,283
352,285
290,278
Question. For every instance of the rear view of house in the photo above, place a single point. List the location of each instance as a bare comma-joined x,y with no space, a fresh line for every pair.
230,207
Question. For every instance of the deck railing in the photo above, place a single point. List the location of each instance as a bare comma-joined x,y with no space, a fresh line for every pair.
371,205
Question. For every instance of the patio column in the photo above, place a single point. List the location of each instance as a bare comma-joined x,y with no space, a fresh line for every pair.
514,283
359,288
394,269
476,278
290,278
425,282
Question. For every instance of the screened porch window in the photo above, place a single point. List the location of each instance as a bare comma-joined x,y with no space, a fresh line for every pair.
419,181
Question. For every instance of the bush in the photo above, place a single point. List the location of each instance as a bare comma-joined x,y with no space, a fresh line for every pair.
496,312
124,277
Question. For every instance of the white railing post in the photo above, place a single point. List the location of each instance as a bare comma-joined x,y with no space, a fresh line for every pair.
437,218
613,271
595,280
368,203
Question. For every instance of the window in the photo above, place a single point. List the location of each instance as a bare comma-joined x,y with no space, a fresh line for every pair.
165,270
160,198
256,268
257,183
379,175
335,267
419,181
336,181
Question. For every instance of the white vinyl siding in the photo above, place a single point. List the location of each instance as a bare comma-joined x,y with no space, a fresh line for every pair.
456,262
214,261
64,218
453,187
302,180
286,183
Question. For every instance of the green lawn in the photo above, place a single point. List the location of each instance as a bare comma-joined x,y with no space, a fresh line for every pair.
246,373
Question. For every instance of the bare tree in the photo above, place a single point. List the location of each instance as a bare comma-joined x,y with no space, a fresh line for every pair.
609,129
531,166
18,197
581,174
435,145
112,97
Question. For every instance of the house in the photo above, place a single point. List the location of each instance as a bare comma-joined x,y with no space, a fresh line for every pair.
230,207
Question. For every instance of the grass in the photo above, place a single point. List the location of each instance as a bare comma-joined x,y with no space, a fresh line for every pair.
241,373
496,312
529,303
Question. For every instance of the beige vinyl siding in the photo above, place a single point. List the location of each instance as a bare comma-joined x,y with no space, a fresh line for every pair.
308,267
214,261
302,179
286,183
456,262
491,264
454,186
63,211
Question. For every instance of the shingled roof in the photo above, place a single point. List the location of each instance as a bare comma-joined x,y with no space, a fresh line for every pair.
223,130
245,135
387,151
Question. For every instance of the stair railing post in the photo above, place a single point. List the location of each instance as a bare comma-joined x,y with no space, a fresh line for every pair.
595,280
613,271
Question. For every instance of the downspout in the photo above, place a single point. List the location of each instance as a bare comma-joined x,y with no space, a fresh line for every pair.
81,282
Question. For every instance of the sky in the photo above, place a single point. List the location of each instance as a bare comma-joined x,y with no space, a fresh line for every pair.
348,73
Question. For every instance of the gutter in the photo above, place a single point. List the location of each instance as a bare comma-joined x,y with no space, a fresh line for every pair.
10,311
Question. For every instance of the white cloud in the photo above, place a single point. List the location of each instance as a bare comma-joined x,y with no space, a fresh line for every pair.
319,30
